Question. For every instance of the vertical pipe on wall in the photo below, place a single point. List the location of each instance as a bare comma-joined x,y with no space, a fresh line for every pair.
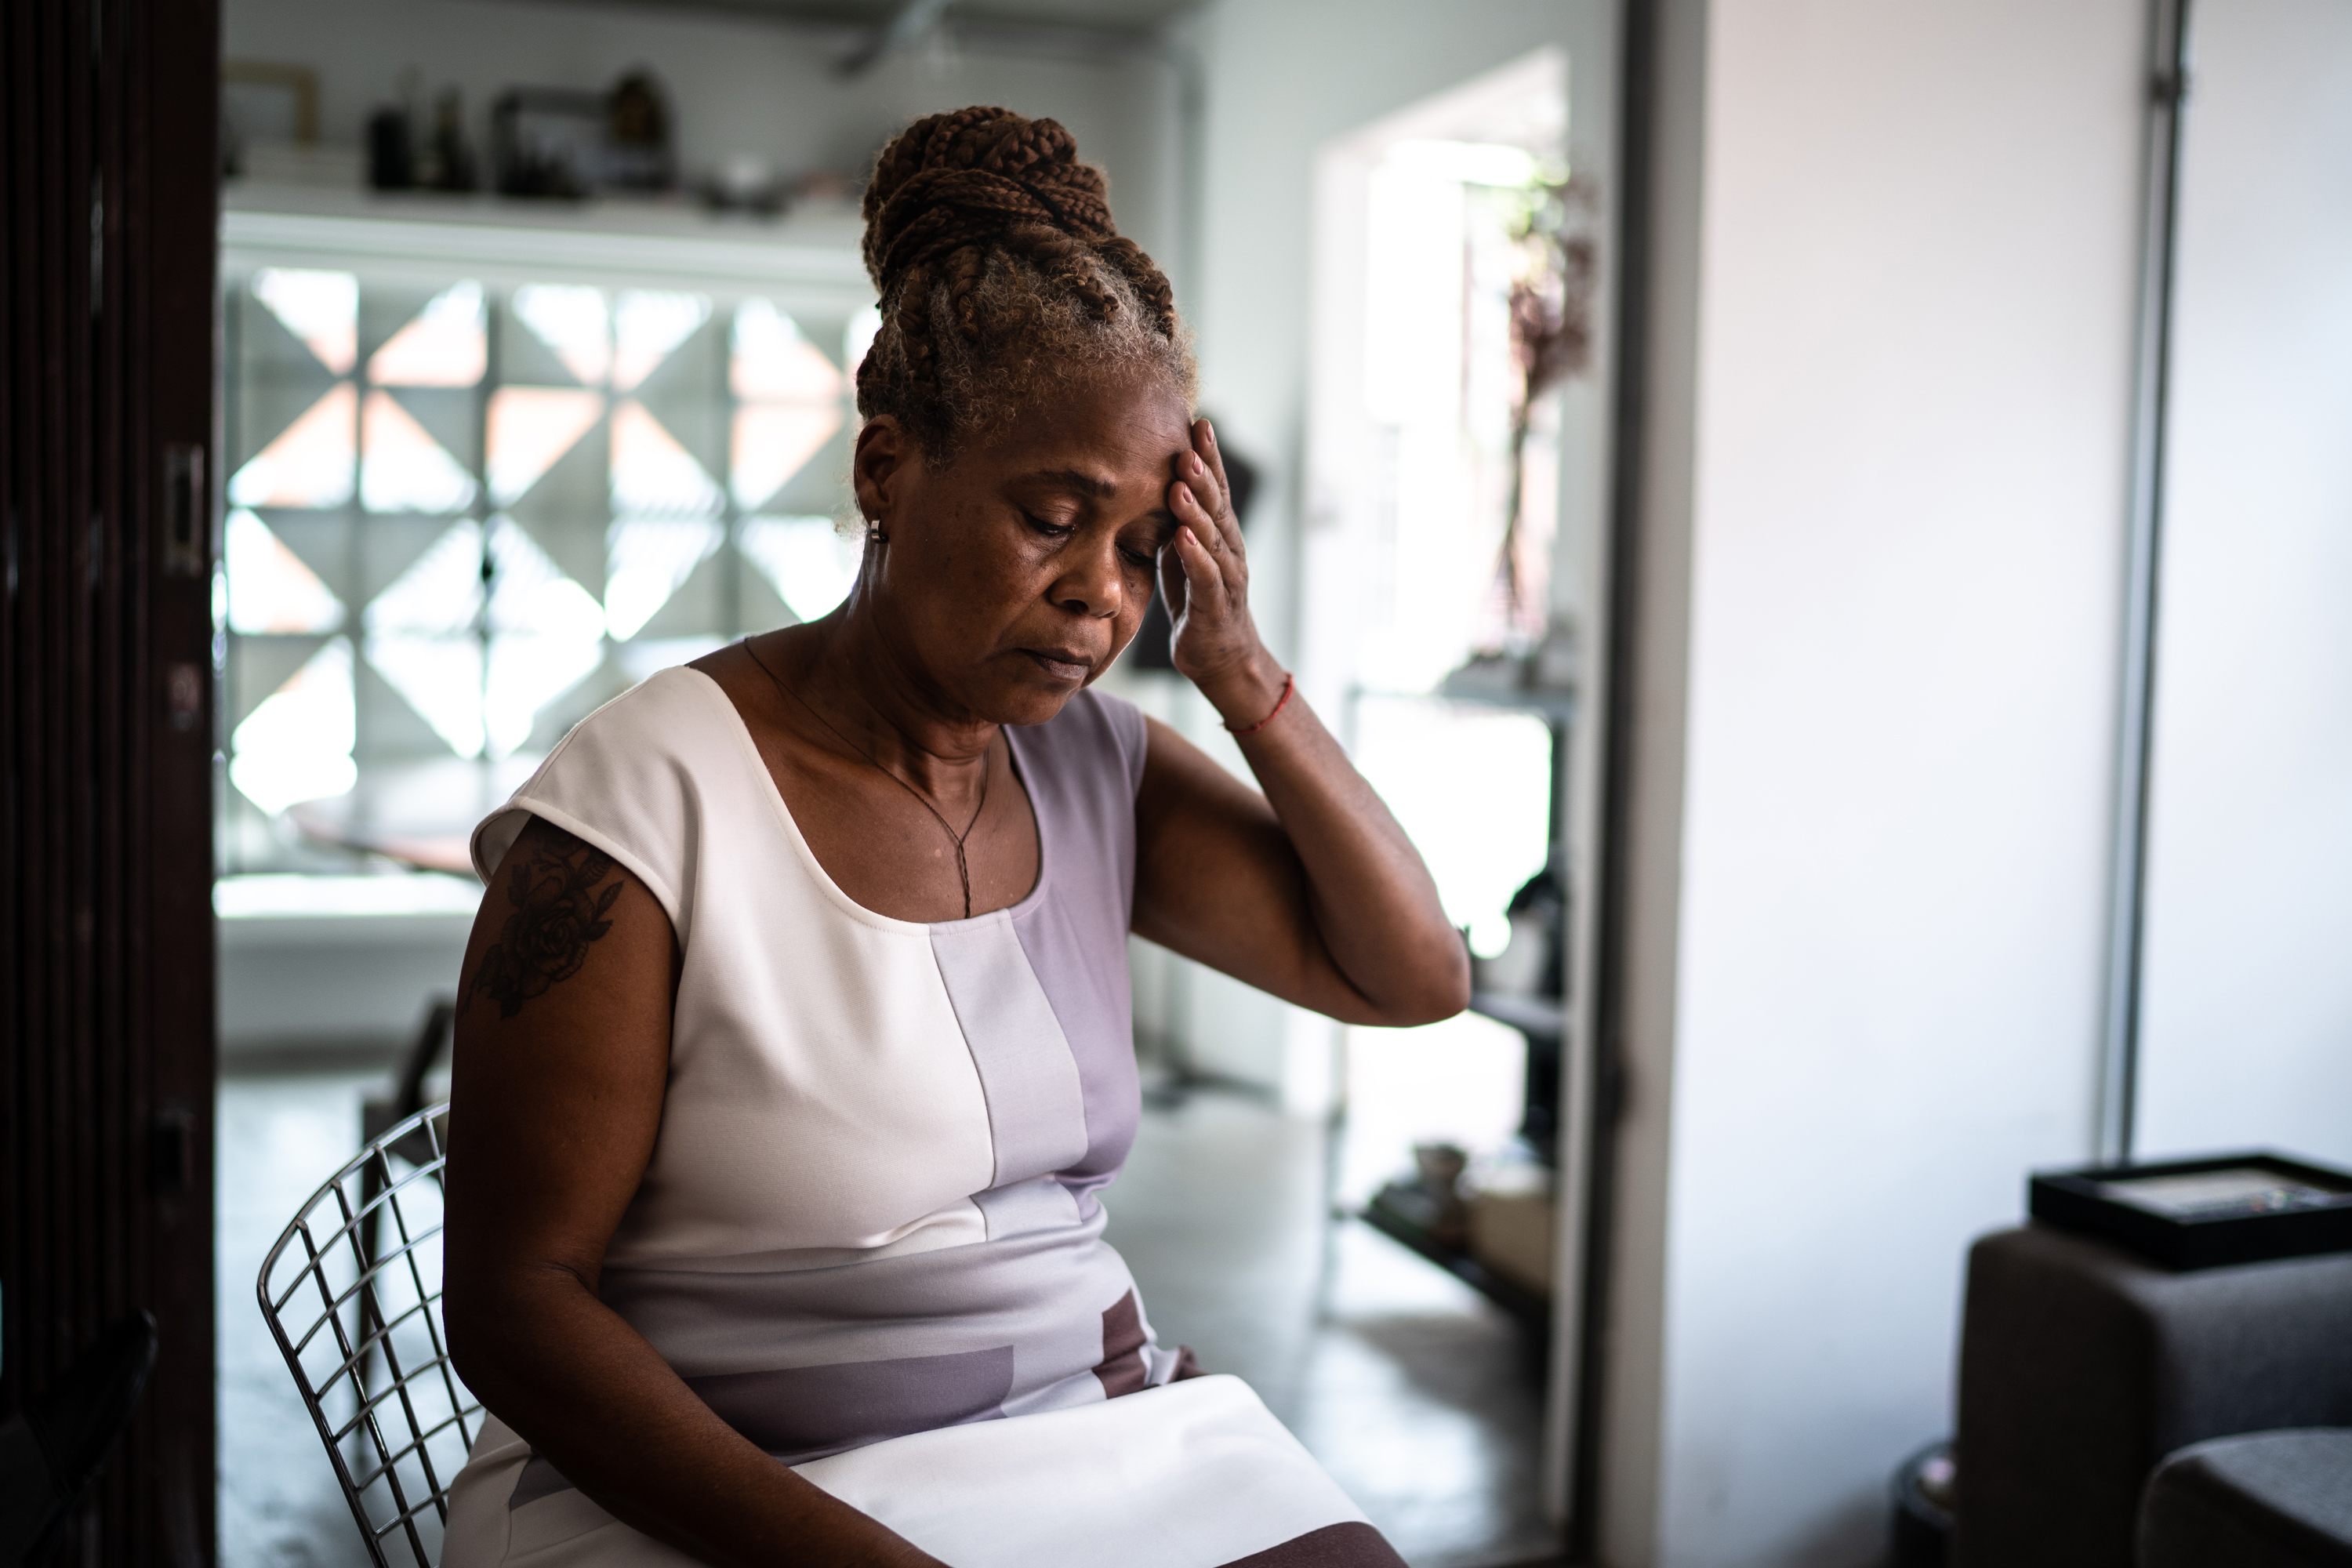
2126,911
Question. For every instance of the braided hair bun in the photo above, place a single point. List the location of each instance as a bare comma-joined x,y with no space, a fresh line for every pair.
1001,274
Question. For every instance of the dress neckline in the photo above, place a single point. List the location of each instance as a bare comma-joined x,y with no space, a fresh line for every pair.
750,749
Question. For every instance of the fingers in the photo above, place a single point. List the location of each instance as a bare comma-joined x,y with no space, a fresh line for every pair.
1206,582
1193,498
1216,568
1202,578
1201,470
1216,529
1228,521
1204,448
1192,508
1209,595
1174,582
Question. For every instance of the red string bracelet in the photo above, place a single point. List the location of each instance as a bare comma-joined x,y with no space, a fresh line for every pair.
1279,703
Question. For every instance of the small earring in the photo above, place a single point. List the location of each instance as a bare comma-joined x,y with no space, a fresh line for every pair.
874,532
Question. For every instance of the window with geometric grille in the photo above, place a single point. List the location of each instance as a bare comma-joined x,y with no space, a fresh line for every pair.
461,515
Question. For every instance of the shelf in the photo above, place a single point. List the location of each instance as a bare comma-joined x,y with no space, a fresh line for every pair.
1540,1018
1531,1309
504,240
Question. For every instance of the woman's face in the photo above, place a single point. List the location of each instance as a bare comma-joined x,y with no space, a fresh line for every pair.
1015,576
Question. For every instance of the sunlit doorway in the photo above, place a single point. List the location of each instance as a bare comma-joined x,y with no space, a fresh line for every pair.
1366,1223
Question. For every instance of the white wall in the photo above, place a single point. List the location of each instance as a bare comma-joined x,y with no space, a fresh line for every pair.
289,988
737,85
2247,1028
336,966
1887,491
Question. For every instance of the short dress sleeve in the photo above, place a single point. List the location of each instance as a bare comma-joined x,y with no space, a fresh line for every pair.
635,779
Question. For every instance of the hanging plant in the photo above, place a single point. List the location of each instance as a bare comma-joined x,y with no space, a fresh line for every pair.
1551,309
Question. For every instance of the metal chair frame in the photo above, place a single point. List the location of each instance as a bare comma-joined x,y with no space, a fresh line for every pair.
336,1232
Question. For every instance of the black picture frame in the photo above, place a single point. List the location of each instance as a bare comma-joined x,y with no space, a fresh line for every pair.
2085,1200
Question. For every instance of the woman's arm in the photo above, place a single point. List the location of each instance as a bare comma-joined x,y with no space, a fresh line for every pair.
562,1054
1311,890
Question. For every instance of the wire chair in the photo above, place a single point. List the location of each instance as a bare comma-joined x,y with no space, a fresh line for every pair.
338,1302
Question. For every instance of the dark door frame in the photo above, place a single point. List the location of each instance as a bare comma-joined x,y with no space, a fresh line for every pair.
1637,111
107,1049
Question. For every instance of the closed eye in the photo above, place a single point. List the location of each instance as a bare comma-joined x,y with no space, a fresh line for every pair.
1140,560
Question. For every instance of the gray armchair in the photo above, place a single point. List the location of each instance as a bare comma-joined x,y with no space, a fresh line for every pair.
2268,1499
2082,1367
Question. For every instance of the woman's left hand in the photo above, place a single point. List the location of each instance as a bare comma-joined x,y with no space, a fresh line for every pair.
1205,573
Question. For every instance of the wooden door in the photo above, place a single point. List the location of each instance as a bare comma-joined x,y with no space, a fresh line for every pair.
106,730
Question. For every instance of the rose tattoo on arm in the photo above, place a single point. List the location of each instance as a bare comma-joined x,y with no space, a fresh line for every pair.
557,914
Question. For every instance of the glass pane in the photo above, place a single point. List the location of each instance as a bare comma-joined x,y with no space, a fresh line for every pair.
444,346
648,559
441,678
548,635
269,589
530,428
857,337
529,594
310,463
297,745
572,320
774,441
527,673
652,474
439,594
811,563
321,309
646,325
775,363
404,468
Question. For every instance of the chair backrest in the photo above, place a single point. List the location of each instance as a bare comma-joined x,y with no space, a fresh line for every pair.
353,1294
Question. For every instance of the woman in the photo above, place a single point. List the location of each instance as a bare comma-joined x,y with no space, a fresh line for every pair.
795,1047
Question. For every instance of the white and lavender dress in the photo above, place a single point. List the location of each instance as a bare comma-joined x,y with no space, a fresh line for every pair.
870,1233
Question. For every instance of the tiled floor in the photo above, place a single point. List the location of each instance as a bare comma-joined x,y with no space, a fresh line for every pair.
278,1136
1419,1397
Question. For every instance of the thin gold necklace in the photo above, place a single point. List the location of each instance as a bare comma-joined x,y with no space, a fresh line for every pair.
963,868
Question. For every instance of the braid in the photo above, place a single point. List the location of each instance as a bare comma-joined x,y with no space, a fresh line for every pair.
1149,282
999,266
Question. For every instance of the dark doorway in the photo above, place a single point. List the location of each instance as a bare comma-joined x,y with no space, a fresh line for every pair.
106,926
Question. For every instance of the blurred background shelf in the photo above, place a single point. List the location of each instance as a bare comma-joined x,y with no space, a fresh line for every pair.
1386,1213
